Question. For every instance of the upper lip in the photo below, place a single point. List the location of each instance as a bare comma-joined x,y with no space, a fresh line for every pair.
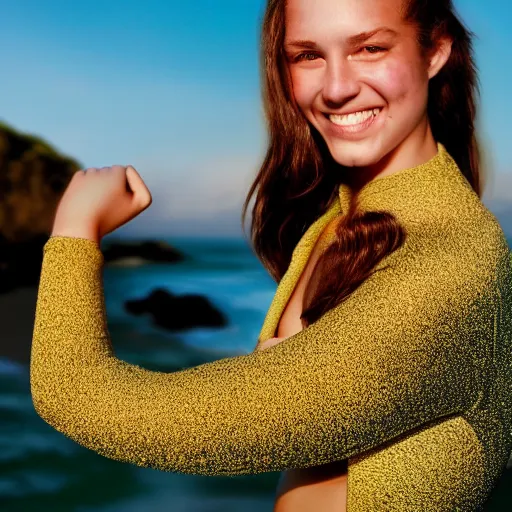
353,111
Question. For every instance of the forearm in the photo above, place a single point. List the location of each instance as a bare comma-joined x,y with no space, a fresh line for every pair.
200,420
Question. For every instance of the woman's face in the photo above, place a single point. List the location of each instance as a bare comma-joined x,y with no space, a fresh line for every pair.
333,72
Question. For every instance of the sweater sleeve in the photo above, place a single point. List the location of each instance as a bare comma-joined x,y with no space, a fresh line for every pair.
394,355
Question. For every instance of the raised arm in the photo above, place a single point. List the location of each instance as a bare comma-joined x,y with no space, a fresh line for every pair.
408,346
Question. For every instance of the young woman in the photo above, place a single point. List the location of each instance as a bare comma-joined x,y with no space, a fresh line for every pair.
380,381
355,90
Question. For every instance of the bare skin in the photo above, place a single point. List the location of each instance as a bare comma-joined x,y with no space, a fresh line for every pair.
318,488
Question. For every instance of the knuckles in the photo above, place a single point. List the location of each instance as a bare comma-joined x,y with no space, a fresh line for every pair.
116,168
144,195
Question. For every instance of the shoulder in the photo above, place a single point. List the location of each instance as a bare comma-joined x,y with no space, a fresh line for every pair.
475,230
462,239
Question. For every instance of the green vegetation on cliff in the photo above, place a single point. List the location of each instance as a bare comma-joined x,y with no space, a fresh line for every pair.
33,177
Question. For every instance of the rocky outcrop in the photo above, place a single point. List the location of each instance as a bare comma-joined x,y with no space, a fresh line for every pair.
33,177
135,253
20,262
177,312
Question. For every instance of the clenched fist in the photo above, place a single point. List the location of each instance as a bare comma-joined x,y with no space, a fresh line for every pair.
98,201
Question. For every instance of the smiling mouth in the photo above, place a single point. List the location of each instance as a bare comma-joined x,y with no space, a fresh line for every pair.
357,117
352,127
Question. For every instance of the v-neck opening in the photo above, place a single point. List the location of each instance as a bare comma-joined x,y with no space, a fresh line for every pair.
299,261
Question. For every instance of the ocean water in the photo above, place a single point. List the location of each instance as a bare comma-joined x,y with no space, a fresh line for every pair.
42,470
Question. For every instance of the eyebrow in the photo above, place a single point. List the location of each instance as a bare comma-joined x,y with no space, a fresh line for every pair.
352,40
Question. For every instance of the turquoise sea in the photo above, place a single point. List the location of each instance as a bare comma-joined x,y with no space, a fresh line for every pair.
42,470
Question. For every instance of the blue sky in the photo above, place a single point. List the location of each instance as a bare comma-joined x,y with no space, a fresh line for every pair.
173,88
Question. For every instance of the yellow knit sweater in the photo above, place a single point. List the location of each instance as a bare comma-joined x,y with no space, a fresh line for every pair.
409,378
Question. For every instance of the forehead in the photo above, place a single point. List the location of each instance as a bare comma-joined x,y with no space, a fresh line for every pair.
322,18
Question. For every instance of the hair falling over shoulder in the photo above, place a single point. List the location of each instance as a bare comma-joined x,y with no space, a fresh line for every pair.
298,178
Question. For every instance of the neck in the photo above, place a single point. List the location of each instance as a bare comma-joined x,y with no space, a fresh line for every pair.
416,149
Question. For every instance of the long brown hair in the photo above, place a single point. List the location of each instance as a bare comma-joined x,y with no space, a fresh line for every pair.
298,178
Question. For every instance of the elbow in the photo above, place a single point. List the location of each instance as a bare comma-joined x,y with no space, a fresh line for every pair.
45,403
43,408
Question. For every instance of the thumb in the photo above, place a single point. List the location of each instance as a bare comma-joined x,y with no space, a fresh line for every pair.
141,193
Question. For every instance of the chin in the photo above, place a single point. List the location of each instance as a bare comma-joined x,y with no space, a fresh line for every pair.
355,154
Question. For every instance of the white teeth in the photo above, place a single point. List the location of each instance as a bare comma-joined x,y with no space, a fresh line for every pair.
355,118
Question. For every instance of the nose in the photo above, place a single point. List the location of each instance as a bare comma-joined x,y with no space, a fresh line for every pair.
340,83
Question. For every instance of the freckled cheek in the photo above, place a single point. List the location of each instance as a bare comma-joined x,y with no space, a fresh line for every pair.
304,89
395,83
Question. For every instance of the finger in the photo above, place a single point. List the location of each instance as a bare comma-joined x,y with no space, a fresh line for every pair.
89,169
121,170
141,193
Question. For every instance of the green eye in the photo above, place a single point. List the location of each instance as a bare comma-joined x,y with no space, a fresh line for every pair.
311,56
302,56
377,48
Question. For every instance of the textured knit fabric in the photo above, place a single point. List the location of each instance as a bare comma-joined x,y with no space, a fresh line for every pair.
409,378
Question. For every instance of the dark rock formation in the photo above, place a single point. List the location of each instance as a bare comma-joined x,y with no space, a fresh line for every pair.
33,177
149,251
20,262
177,312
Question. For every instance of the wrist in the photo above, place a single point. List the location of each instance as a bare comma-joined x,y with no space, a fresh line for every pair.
74,232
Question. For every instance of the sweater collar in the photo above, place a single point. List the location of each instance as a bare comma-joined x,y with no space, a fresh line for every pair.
404,190
411,195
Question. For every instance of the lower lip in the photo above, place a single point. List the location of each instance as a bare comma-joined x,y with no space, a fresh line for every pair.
354,131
